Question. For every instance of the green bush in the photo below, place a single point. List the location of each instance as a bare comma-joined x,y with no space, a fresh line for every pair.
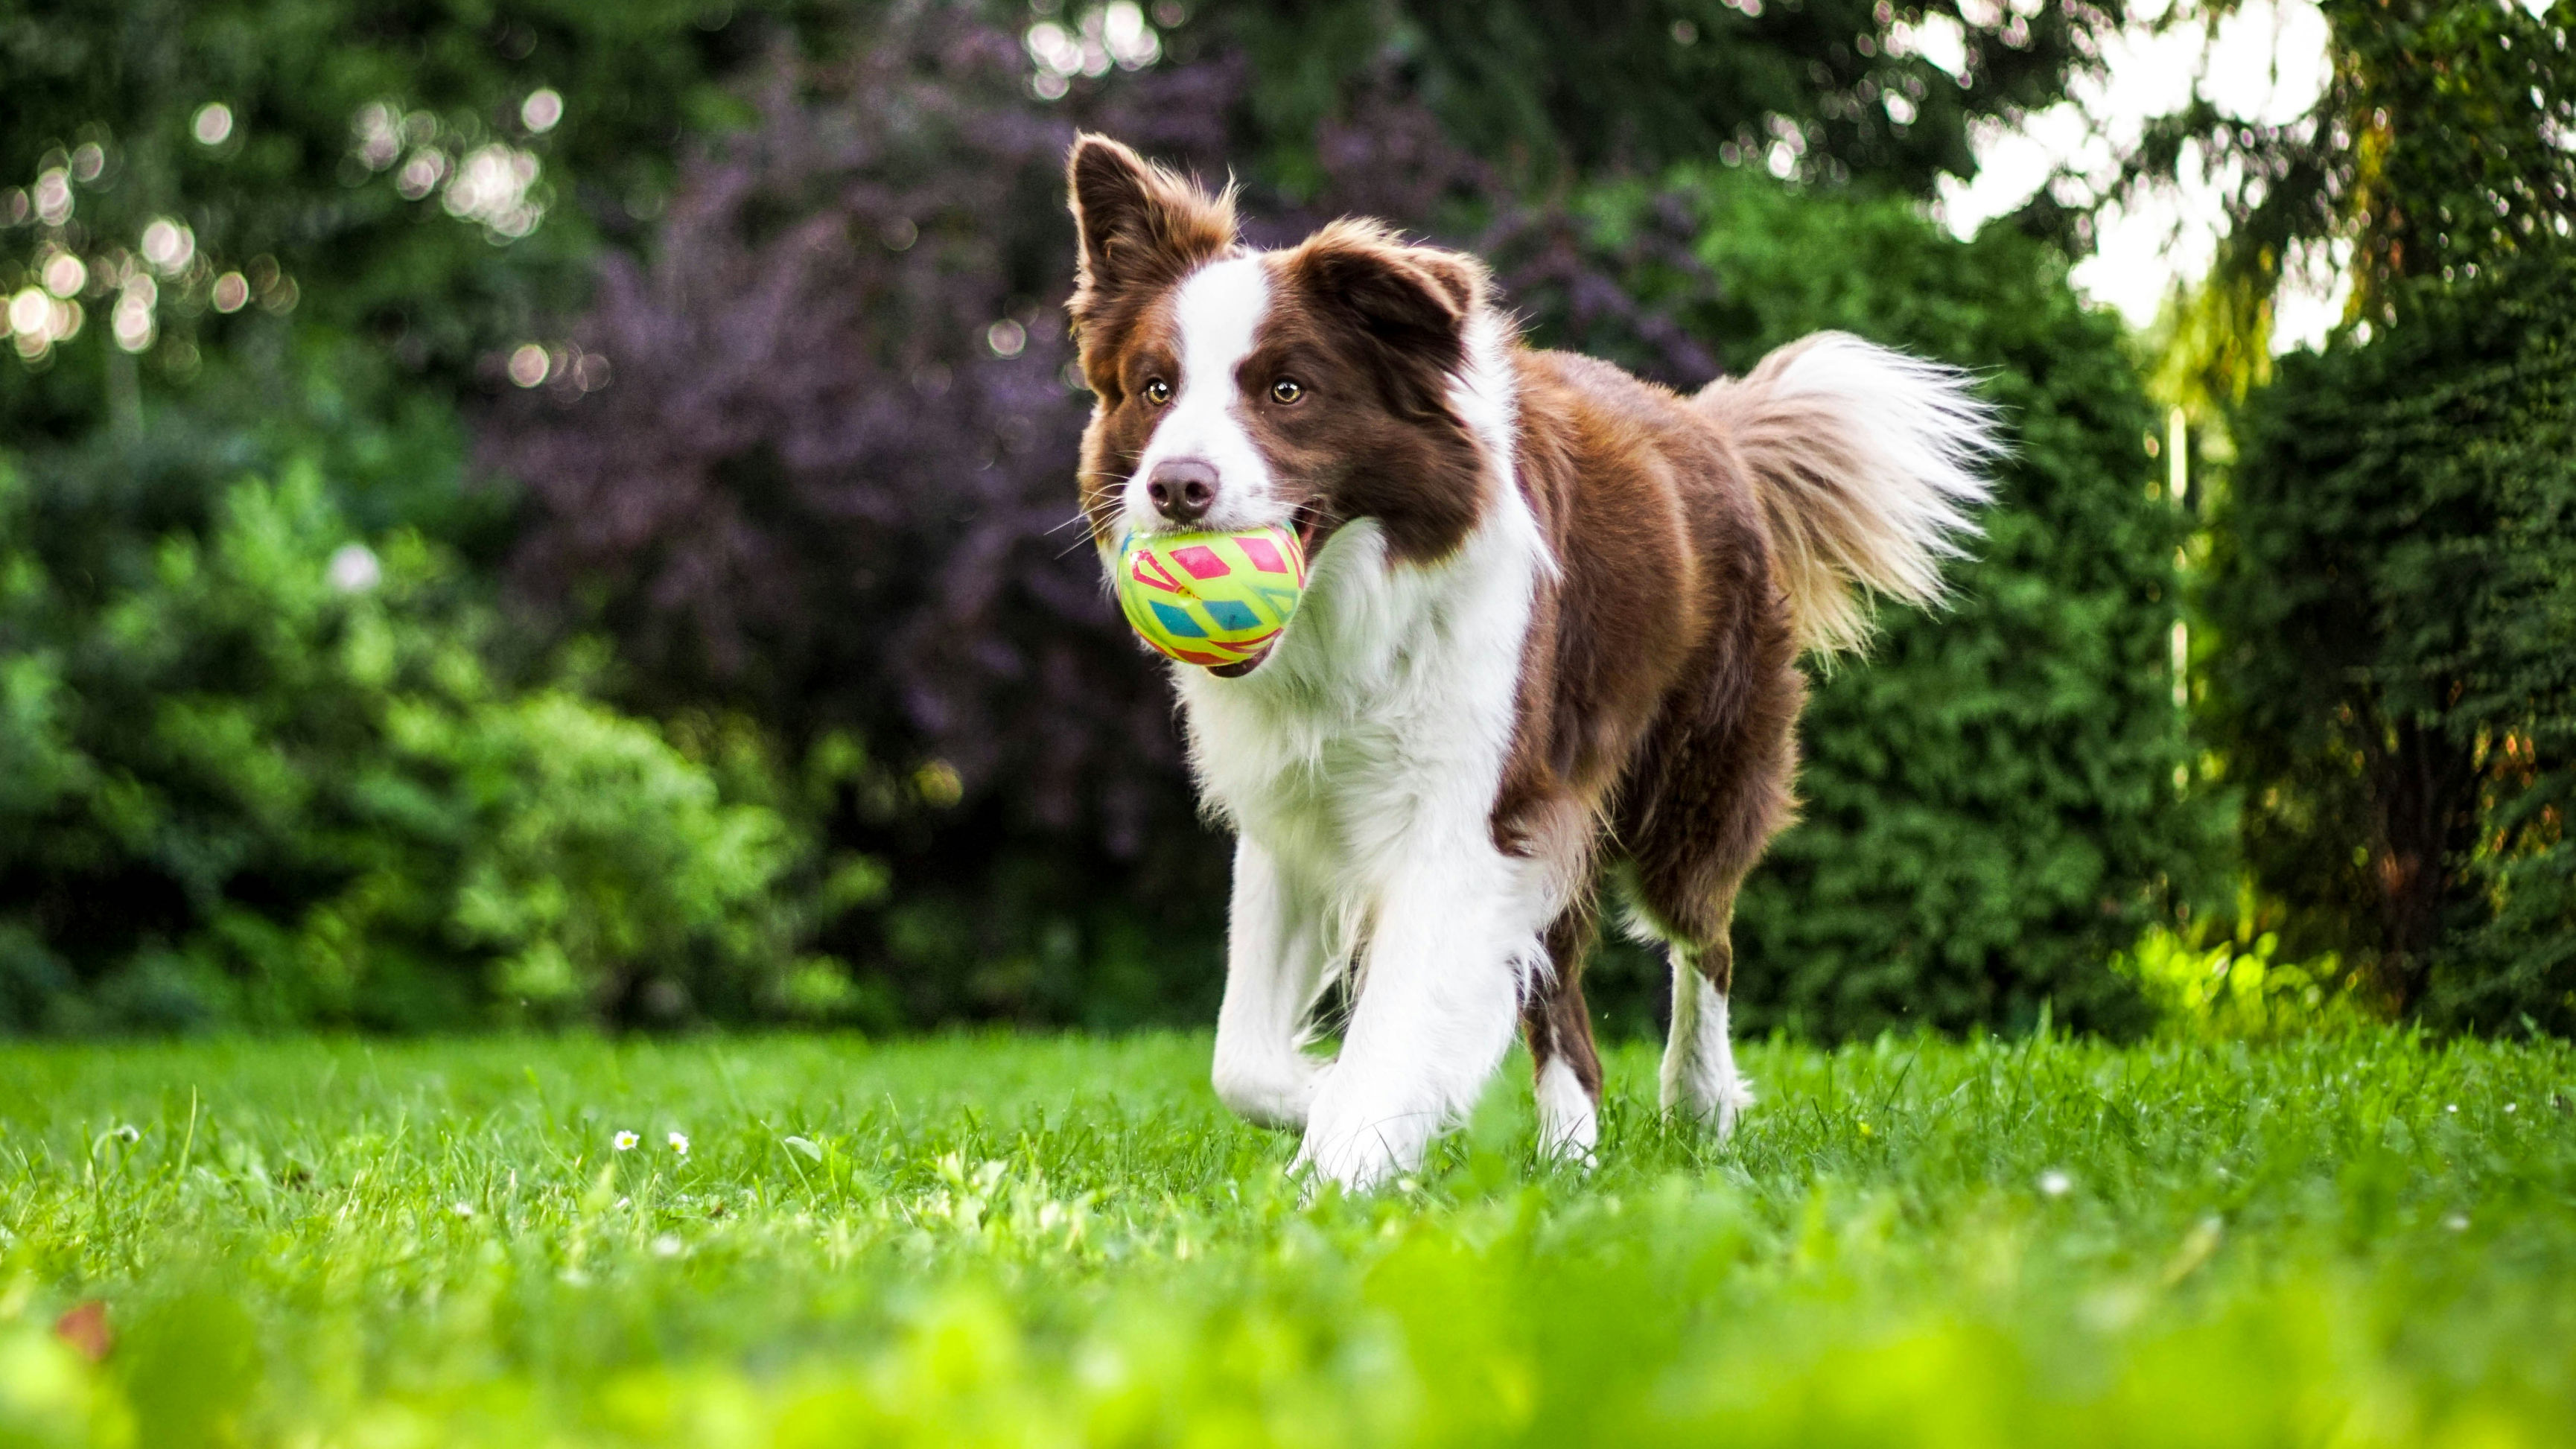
270,779
2237,987
2393,682
1992,808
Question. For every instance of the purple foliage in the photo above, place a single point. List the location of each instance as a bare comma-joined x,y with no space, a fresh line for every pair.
815,487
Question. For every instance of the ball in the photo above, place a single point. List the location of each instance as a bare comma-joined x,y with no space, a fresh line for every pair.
1211,599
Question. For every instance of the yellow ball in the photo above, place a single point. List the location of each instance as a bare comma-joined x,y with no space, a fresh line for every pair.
1211,598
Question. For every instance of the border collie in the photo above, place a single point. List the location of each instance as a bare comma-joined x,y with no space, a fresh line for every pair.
1551,631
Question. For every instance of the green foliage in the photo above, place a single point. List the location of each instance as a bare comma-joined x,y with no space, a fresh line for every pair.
2235,988
2438,146
332,182
1836,90
236,793
378,220
2393,686
2361,1239
1991,797
270,779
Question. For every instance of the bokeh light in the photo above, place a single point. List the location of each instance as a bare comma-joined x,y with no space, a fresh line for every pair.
132,321
38,321
529,365
354,569
54,196
420,175
378,126
493,186
30,312
63,273
213,124
1116,34
169,246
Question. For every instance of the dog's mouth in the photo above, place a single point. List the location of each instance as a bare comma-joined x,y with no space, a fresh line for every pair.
1313,529
1308,523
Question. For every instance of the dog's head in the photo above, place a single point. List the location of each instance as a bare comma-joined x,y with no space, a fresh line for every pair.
1307,387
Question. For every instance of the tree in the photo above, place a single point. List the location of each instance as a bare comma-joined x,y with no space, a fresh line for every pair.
2437,148
2375,635
306,229
1563,90
2393,680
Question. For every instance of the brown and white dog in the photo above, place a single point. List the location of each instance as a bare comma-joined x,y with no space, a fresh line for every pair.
1552,626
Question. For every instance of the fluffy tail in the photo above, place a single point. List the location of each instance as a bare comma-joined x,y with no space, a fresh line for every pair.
1867,462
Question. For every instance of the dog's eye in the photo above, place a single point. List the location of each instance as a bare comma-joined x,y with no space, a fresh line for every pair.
1158,392
1287,390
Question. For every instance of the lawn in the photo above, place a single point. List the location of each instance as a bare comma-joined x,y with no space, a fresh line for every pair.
2364,1238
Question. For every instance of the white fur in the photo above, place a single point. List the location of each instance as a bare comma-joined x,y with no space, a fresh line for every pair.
1569,1124
1360,764
1869,462
1218,310
1274,967
1699,1079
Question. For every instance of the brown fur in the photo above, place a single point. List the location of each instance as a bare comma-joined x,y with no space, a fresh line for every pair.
1659,682
1373,329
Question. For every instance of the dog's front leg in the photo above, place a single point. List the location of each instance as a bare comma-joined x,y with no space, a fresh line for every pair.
1439,998
1274,963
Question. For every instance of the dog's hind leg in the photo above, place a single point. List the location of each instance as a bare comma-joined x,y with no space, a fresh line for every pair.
1716,790
1559,1031
1687,877
1699,1080
1274,967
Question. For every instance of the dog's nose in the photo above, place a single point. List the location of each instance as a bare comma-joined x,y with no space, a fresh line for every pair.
1183,489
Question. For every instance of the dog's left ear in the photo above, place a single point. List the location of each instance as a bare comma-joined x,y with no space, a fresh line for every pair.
1413,300
1140,225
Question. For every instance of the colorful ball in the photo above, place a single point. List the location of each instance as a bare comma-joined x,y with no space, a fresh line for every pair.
1211,598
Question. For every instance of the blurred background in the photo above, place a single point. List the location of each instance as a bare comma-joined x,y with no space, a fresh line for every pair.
544,513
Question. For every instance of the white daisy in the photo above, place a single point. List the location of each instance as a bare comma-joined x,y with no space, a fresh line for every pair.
624,1141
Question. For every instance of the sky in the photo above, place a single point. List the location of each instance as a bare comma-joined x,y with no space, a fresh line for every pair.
2267,62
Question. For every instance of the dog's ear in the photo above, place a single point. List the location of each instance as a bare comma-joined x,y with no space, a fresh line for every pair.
1140,225
1415,300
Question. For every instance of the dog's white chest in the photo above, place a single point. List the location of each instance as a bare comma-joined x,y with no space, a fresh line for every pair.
1382,724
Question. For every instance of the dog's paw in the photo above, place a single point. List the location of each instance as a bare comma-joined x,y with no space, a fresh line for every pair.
1569,1123
1714,1106
1271,1093
1360,1150
1352,1169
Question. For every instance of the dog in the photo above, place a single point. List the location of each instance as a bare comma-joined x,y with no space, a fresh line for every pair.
1551,633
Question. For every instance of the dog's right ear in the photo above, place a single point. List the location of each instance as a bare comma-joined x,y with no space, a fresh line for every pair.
1141,226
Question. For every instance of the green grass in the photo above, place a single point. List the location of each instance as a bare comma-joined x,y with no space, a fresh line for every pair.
2358,1239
